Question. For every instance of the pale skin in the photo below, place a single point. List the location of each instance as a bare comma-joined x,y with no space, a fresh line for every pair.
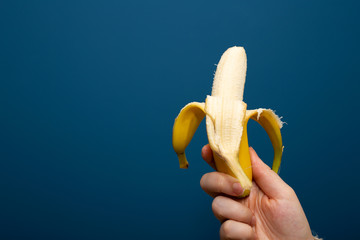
271,211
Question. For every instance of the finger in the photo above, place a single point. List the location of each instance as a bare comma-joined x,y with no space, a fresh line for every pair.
269,182
225,208
216,183
207,155
236,230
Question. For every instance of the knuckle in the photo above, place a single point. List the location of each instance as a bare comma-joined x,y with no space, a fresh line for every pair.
216,206
203,180
225,230
290,192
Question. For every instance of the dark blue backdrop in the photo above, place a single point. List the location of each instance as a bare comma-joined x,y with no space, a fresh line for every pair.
90,89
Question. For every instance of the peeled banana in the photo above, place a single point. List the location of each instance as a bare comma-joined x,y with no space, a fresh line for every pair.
226,122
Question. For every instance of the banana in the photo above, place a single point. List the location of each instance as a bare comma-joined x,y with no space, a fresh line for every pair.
226,122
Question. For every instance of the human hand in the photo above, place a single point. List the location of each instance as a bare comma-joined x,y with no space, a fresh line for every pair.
271,211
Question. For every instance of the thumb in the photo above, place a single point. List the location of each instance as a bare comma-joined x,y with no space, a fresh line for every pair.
267,180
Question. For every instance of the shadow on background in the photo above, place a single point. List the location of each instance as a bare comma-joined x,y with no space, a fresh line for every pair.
90,90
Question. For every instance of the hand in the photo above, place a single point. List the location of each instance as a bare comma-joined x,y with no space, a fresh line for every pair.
271,211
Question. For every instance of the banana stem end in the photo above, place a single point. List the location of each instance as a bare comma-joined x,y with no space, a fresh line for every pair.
182,160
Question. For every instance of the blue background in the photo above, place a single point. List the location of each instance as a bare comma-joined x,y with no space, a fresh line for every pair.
90,89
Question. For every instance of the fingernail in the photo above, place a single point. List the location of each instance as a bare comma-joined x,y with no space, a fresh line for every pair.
237,189
253,221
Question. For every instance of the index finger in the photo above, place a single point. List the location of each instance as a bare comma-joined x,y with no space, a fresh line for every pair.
208,156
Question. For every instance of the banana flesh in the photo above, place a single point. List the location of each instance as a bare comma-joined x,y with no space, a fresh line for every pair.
226,122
